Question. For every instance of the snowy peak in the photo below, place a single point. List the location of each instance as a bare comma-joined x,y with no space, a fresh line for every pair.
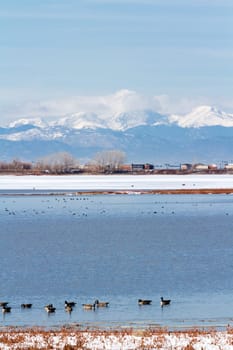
143,134
203,116
37,122
125,121
80,120
117,121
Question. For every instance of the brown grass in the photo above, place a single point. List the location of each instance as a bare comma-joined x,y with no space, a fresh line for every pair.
121,192
142,339
157,191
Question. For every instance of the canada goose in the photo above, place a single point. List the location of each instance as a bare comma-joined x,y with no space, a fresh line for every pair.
70,303
3,303
101,303
50,308
26,306
68,308
144,302
164,301
6,309
89,306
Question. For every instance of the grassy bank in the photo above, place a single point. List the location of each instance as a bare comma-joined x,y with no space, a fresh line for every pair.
149,339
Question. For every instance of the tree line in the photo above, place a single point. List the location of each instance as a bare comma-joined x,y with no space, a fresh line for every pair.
65,163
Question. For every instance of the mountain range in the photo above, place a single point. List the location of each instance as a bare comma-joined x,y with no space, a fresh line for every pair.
203,135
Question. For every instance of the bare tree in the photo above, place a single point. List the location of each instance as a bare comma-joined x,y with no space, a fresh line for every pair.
60,162
109,160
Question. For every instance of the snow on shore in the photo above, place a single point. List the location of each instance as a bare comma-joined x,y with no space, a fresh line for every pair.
116,340
115,182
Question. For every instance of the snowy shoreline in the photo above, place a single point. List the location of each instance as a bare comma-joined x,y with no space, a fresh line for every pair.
128,339
114,183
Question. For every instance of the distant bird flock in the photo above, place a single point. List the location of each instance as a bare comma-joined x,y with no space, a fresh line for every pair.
69,305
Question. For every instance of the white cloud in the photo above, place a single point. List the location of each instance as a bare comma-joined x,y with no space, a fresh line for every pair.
119,102
182,105
122,101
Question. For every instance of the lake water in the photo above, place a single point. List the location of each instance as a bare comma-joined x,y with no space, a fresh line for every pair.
118,249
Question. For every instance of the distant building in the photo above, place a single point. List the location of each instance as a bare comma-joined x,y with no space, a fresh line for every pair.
200,167
137,167
148,166
186,167
125,167
228,166
212,167
140,167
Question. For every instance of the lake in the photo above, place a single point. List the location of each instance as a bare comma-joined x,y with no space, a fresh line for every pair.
117,248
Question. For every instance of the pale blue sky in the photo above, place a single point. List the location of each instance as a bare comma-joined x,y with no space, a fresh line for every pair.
58,49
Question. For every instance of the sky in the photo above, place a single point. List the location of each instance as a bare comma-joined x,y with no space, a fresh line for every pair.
60,56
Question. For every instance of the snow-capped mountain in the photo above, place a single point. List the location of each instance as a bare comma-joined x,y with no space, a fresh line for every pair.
80,120
144,135
116,121
33,134
203,116
122,121
37,122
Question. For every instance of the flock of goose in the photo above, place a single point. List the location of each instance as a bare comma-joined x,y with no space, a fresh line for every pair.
6,308
69,305
163,302
51,204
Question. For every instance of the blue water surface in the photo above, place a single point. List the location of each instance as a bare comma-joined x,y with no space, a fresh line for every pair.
117,248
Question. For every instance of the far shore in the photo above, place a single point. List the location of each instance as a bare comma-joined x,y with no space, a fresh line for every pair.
172,191
206,191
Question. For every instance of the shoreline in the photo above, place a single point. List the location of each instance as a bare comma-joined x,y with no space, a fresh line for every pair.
196,191
119,339
163,191
116,184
